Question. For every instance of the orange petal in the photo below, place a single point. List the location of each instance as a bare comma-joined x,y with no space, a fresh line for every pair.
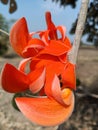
23,64
48,83
63,58
50,80
19,36
69,77
13,80
37,79
38,83
33,47
45,111
51,27
42,92
34,63
67,42
44,36
51,62
53,89
57,93
62,31
35,42
55,48
50,24
29,51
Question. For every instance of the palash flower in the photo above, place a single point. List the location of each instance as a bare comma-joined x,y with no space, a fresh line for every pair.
51,75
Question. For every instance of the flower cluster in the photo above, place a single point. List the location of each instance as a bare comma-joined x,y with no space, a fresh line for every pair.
51,76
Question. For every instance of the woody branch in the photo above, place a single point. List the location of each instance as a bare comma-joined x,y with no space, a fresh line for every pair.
79,30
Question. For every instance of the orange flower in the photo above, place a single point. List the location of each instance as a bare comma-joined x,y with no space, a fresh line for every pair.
26,46
43,110
51,75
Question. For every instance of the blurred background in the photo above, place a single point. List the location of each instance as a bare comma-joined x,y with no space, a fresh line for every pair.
64,12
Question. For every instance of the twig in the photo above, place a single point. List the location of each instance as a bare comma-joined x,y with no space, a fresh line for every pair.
79,30
93,95
81,92
4,32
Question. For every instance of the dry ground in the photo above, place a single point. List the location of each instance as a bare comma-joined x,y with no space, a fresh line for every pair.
85,115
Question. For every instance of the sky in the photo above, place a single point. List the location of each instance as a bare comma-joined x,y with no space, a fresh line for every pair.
34,12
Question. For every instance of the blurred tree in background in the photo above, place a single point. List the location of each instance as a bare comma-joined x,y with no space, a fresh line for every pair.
4,39
66,2
91,25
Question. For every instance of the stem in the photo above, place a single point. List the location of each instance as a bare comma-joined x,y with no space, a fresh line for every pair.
4,32
79,30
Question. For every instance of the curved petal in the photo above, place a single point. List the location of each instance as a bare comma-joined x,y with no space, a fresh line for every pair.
50,24
30,51
50,80
33,47
39,81
62,31
51,27
34,63
55,48
35,42
19,36
13,80
42,92
69,77
63,58
45,111
57,93
48,83
44,36
67,42
23,64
